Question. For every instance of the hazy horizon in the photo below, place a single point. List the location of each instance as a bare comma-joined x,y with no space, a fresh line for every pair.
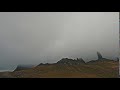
39,37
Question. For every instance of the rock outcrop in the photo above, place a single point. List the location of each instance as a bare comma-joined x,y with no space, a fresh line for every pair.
117,59
99,56
71,61
44,64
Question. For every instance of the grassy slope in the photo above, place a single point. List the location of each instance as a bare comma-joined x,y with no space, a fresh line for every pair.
98,69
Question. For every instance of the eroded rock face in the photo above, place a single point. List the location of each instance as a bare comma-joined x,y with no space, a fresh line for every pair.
117,59
99,56
41,64
71,61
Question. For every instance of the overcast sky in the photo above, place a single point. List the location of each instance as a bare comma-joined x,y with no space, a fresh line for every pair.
35,37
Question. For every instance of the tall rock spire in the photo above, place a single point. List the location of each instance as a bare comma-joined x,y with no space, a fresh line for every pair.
99,56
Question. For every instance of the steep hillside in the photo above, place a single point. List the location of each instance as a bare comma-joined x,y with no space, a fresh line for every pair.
93,69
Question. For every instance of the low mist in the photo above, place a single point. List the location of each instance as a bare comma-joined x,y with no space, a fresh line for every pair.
46,37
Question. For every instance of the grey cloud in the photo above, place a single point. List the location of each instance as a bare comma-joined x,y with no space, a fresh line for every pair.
34,37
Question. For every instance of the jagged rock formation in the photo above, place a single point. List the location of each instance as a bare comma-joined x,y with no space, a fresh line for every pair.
23,67
44,64
40,64
71,61
117,59
98,69
67,68
99,56
101,68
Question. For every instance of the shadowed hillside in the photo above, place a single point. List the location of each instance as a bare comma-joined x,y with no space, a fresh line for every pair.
23,67
70,68
63,69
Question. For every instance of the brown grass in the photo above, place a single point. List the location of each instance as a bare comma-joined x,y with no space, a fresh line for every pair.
102,69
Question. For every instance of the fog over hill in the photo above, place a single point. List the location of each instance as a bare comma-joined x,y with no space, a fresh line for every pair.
41,37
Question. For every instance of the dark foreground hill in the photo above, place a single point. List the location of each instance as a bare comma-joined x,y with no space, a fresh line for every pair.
67,68
23,67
